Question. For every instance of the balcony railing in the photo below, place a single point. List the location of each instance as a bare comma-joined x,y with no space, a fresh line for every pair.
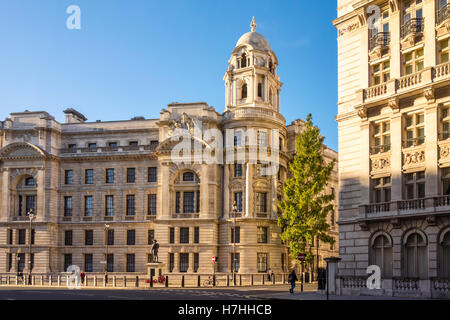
412,204
414,142
393,208
381,39
412,26
442,13
378,207
380,149
150,147
442,201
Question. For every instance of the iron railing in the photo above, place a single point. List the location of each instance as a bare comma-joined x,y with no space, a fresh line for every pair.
412,26
381,39
442,13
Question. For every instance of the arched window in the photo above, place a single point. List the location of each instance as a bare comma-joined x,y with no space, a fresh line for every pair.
381,254
270,96
30,182
243,60
415,256
445,254
244,91
188,176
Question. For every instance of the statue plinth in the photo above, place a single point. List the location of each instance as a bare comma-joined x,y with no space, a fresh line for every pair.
157,268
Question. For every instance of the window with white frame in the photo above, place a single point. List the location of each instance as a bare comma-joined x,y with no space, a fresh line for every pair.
413,61
381,190
414,130
414,185
381,137
445,123
380,72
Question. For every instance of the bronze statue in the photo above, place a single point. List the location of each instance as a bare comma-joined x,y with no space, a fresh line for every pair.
155,250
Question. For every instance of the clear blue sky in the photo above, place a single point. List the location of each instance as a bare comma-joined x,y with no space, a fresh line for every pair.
133,57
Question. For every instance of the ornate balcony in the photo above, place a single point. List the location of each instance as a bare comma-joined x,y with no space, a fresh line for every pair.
380,40
412,27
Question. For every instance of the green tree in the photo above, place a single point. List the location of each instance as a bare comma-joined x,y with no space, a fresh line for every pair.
305,205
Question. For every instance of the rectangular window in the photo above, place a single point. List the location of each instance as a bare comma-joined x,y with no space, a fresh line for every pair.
171,262
414,130
131,237
444,50
110,262
88,262
110,237
33,235
262,262
260,90
131,175
133,143
236,235
381,137
151,236
88,206
196,235
262,138
88,237
9,262
68,237
152,174
131,205
172,235
238,138
72,146
235,261
238,200
197,202
20,206
68,177
414,185
177,202
381,190
196,261
184,235
238,170
130,263
413,61
152,204
92,145
112,144
380,73
262,234
109,175
109,206
445,123
67,261
89,176
10,236
21,261
30,204
184,262
67,206
261,202
188,202
22,236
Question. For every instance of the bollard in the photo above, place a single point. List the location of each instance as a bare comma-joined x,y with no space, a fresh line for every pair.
251,280
262,279
59,281
114,281
50,280
42,280
33,281
283,279
137,282
198,281
182,281
228,281
8,280
214,280
167,281
240,280
234,279
151,281
125,281
86,280
95,281
273,279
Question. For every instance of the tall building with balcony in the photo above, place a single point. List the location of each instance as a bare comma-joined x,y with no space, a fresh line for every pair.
394,160
103,191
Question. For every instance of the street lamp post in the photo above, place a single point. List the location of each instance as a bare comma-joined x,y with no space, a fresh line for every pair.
234,210
31,217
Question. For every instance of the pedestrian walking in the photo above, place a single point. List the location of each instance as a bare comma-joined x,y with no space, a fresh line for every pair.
82,276
292,278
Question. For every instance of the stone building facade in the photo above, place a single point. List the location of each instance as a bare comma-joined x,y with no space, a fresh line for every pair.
393,104
103,191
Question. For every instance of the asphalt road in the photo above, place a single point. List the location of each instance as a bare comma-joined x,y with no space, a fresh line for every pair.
248,293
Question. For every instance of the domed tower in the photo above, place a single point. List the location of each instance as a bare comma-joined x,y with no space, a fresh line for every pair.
254,128
251,78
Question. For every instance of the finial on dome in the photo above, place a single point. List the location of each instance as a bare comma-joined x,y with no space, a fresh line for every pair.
253,25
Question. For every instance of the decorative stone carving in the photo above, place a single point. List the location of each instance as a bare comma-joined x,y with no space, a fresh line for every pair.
414,157
186,123
381,163
362,113
429,94
444,152
393,103
393,4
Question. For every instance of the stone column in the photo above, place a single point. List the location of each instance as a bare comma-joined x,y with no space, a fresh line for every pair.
364,56
396,156
332,270
365,161
248,189
429,11
226,191
394,29
164,196
431,150
204,192
5,203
